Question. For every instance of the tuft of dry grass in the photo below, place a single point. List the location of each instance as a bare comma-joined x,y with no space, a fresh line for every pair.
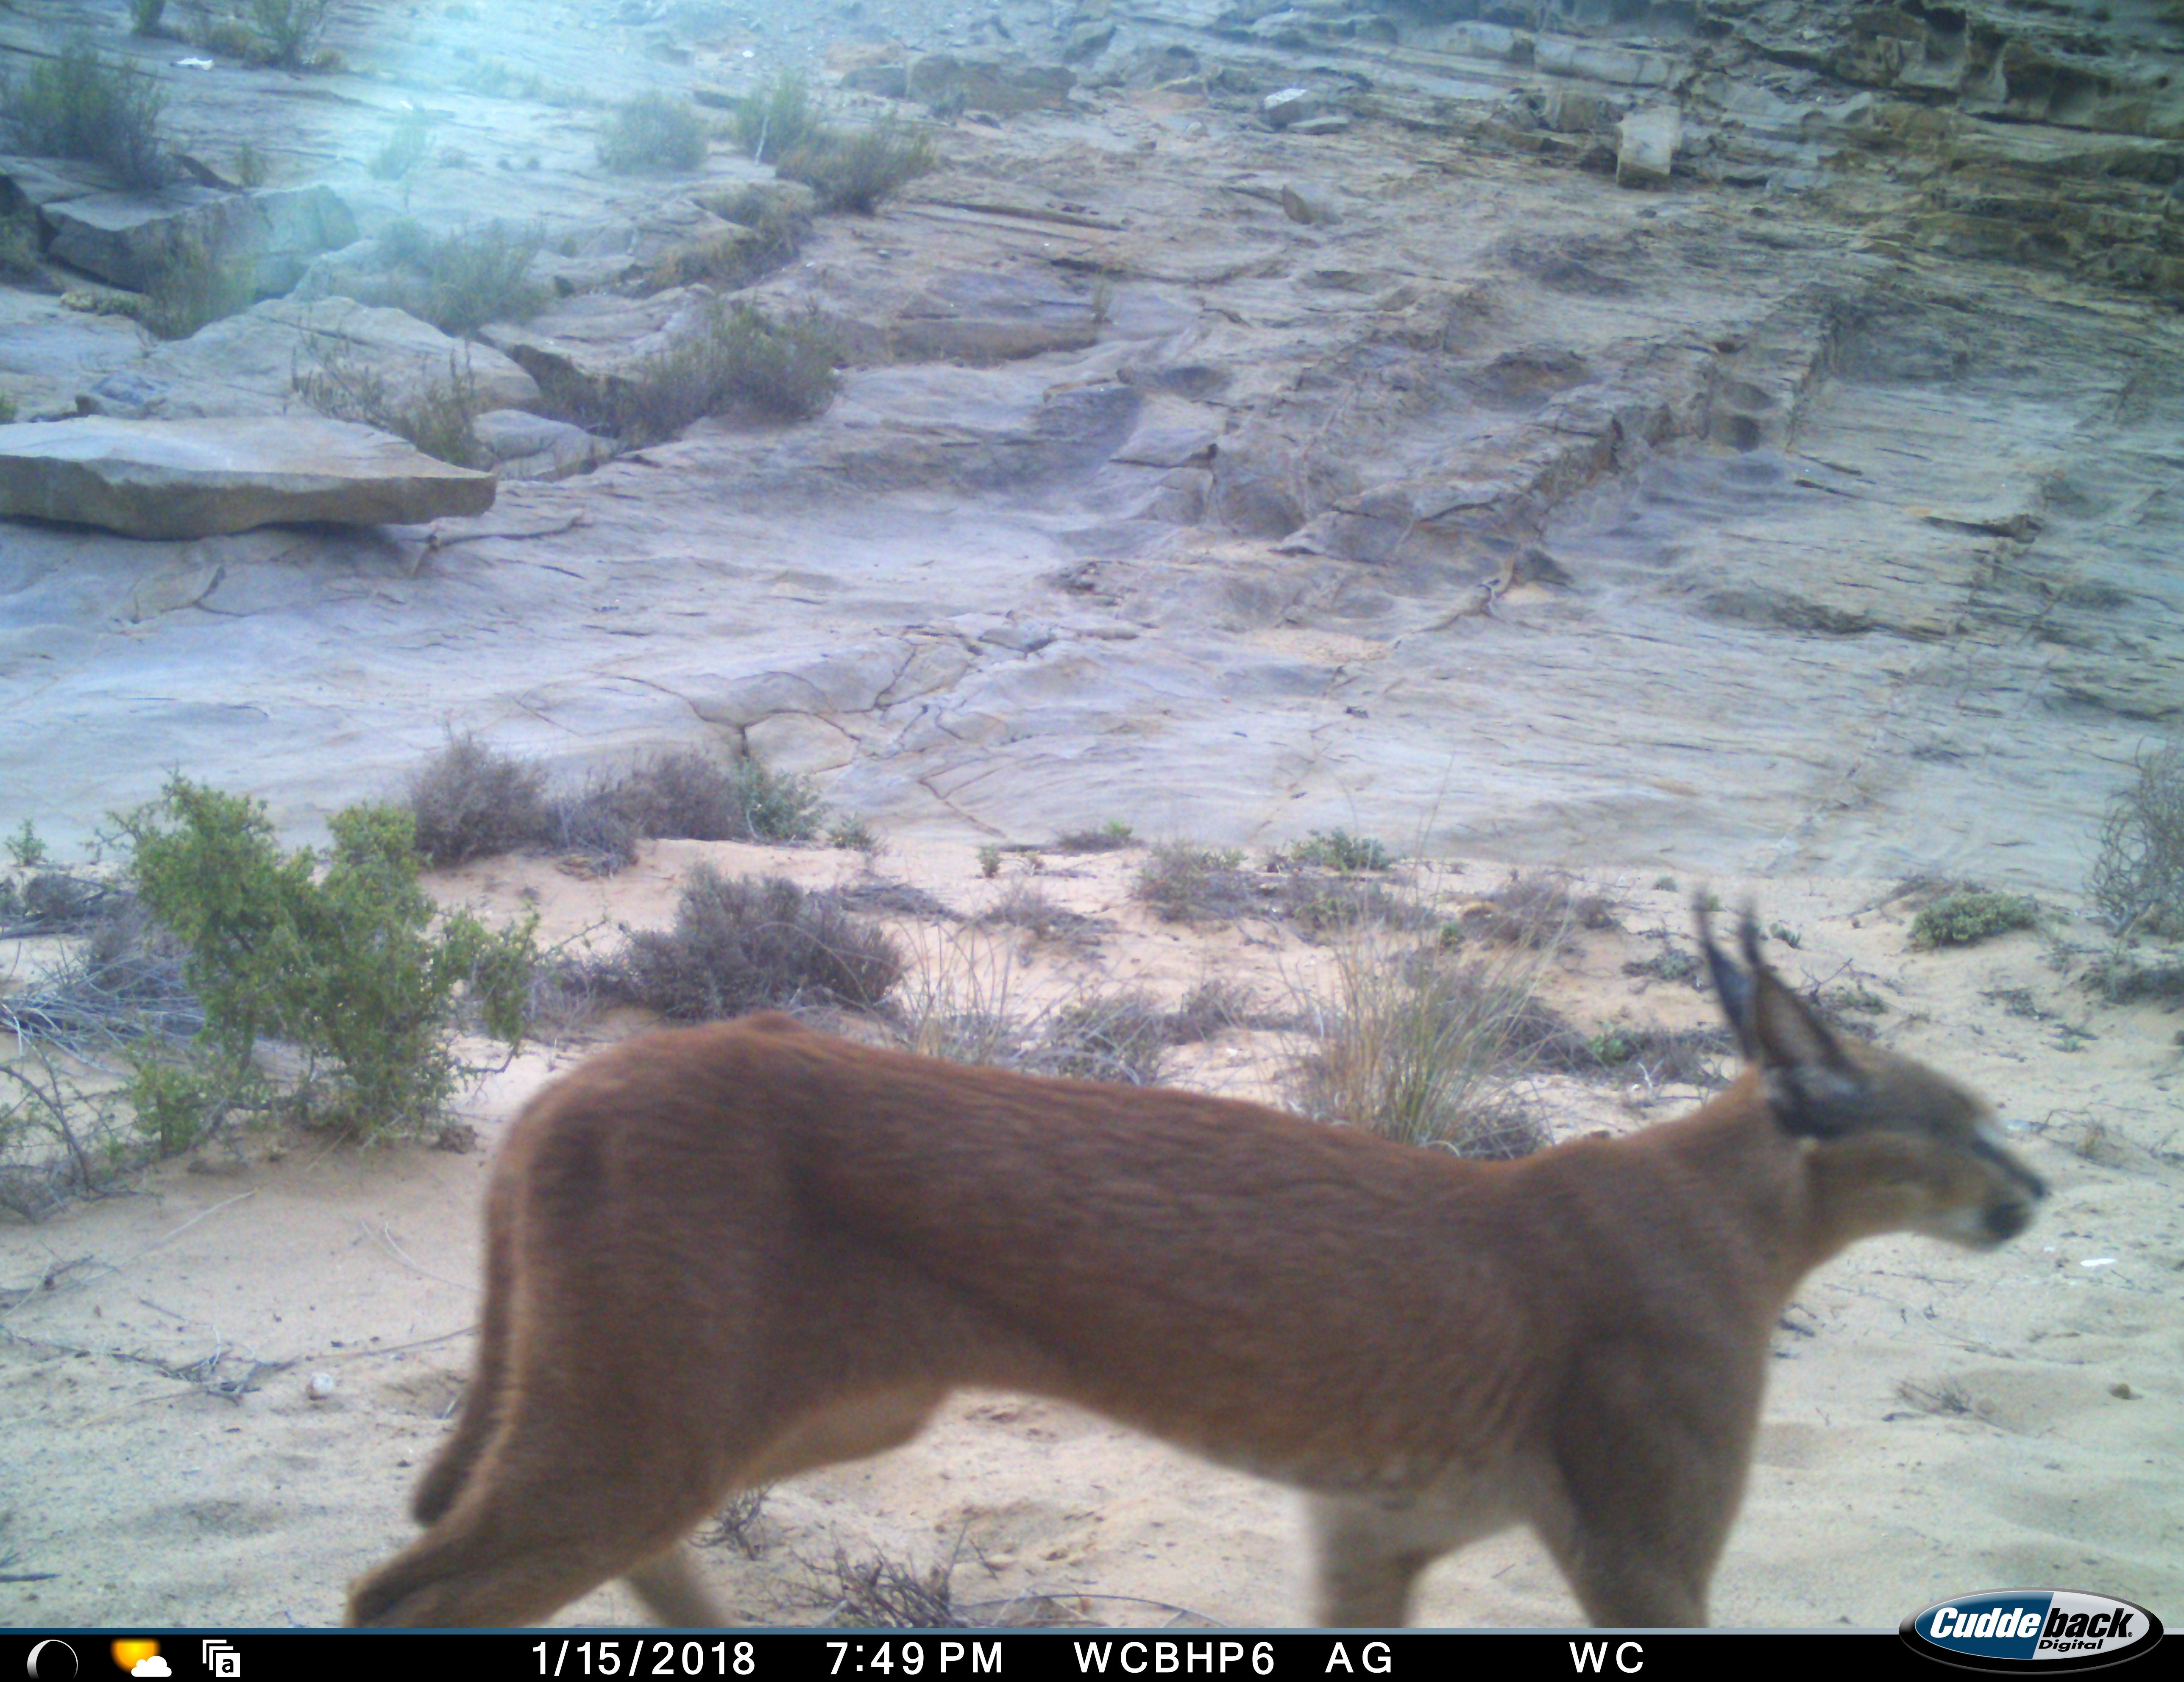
1536,909
1420,1048
1121,1037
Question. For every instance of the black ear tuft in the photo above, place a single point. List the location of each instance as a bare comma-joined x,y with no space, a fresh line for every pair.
1731,985
1813,1086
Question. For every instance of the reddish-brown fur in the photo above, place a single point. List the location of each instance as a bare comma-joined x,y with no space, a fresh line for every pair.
720,1256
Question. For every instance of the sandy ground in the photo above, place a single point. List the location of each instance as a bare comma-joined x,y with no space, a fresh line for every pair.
1938,1421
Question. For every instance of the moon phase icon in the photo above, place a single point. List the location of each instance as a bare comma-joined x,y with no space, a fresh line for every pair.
52,1662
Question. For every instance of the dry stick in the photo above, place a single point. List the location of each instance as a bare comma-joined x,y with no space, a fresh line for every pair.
388,1239
116,1267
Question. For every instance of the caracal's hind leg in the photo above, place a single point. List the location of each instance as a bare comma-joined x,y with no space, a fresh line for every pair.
1368,1557
672,1593
560,1503
480,1411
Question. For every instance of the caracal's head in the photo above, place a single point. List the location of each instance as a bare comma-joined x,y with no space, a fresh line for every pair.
1891,1146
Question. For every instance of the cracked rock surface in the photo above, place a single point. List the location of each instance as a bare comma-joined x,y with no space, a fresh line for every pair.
1781,508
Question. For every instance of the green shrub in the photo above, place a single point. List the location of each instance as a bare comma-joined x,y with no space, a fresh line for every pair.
1110,837
2137,878
344,961
403,148
1962,918
739,358
144,16
78,105
1184,883
853,835
26,848
777,119
286,31
6,410
856,171
197,283
750,945
481,275
1338,849
651,132
435,418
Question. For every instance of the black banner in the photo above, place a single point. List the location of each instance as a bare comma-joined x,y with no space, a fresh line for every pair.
1064,1655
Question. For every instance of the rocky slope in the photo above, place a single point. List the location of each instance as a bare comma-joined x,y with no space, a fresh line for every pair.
1811,509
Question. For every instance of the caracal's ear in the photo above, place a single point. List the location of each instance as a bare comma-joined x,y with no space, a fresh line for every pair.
1814,1088
1730,985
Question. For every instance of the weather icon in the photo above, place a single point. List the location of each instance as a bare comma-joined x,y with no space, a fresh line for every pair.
51,1661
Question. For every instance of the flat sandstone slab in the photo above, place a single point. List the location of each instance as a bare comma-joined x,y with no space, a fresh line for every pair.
175,479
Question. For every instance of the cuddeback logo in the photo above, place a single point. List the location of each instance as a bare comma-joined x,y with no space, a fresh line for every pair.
2050,1629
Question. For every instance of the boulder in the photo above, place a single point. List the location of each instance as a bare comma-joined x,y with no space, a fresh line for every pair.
253,364
527,446
988,82
889,81
28,184
1647,147
178,479
129,237
1288,105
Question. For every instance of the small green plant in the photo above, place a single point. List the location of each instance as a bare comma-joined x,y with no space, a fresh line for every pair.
144,16
1184,883
1110,837
2137,878
77,105
990,859
197,282
6,410
26,849
1665,884
1855,996
1788,937
1612,1047
651,132
738,357
778,119
1972,915
251,170
853,835
340,956
1667,965
478,276
403,148
286,31
1338,849
856,172
435,417
177,1102
19,244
